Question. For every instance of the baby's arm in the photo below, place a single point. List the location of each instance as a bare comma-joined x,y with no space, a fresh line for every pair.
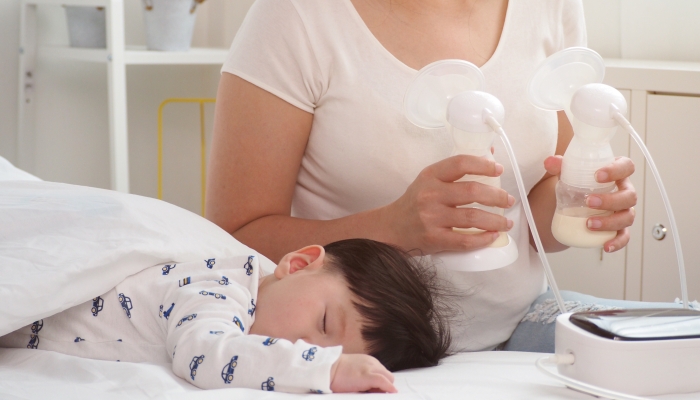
206,337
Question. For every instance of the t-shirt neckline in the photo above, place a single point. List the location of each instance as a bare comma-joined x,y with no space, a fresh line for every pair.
361,24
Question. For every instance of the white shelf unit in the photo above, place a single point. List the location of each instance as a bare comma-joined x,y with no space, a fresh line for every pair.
116,56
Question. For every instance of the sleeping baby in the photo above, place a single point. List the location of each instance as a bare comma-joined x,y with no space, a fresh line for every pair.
335,319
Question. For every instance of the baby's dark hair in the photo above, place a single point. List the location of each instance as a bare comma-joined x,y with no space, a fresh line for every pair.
399,299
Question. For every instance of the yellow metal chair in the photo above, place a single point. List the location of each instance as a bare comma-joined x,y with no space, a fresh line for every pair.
201,102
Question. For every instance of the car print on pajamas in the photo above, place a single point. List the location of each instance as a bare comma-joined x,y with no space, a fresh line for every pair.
268,385
183,282
270,341
37,325
167,312
187,318
251,311
167,268
238,323
223,281
227,372
316,391
309,354
126,304
196,360
249,266
97,304
216,295
79,339
210,262
216,332
33,341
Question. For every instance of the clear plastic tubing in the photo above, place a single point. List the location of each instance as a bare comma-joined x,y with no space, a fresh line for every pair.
491,121
672,220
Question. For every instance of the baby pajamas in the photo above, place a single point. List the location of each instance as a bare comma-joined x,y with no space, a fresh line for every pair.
196,315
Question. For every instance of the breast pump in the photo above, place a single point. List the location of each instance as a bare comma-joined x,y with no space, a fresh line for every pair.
448,93
649,352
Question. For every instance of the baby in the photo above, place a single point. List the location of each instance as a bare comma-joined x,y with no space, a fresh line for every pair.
335,319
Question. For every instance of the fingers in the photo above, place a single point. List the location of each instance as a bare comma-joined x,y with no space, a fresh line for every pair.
461,193
615,222
552,165
619,241
469,217
455,167
380,383
624,198
620,169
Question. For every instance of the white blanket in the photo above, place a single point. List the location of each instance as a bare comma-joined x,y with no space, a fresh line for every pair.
61,245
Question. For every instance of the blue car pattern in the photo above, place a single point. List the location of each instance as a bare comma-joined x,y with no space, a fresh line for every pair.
251,311
196,360
37,325
216,332
126,304
79,339
249,266
227,372
223,281
183,282
187,318
33,341
238,323
166,313
316,391
270,341
210,262
216,295
268,385
167,268
309,354
97,304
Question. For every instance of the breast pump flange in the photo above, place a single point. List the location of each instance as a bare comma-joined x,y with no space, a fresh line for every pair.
440,96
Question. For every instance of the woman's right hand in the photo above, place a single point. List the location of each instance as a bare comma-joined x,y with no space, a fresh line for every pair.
423,217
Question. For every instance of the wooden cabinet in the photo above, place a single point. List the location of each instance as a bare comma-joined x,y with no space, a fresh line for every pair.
664,100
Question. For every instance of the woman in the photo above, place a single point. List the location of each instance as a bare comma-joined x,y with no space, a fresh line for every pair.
311,144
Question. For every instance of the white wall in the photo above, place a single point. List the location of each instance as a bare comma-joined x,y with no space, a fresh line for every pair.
72,143
644,29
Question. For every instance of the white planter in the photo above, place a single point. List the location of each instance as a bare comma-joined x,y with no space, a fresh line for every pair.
169,24
86,27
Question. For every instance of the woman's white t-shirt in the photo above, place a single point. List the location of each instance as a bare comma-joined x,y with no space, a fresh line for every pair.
362,152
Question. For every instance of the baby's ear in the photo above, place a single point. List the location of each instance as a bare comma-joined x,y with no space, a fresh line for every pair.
307,258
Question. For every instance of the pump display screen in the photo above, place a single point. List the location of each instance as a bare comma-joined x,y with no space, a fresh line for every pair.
640,324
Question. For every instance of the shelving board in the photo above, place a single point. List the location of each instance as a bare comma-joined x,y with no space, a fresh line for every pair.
138,55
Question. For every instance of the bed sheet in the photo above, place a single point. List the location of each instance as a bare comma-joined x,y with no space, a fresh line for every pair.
37,374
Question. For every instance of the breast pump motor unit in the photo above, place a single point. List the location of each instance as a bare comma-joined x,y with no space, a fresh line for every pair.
649,351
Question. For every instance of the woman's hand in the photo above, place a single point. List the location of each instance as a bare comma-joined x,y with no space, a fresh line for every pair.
620,202
360,373
423,217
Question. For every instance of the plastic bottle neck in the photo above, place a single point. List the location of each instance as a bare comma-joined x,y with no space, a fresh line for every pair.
588,151
471,143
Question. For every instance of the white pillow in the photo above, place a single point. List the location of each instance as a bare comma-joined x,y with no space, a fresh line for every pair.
61,245
9,172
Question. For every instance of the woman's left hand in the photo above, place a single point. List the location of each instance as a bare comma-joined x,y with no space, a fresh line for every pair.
621,202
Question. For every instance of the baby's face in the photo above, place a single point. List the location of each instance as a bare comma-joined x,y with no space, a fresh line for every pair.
303,301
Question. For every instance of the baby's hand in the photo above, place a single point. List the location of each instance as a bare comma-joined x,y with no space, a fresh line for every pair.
360,373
